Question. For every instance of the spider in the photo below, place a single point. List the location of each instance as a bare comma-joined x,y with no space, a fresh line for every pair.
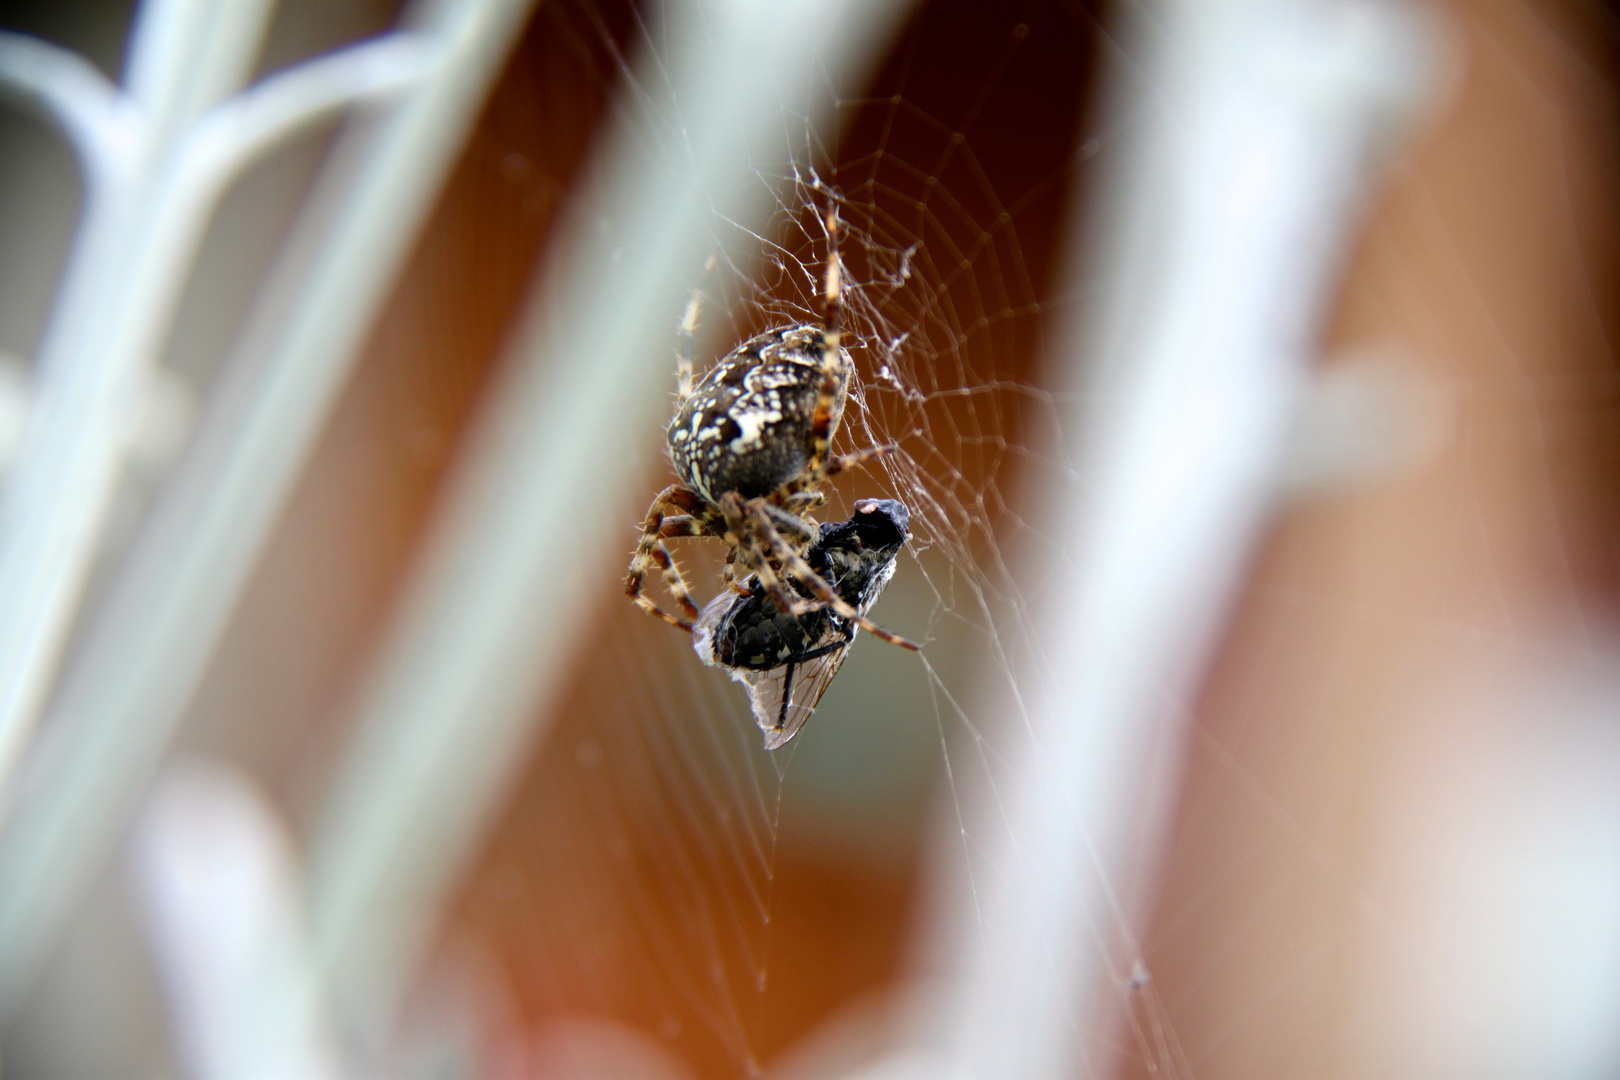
764,649
750,443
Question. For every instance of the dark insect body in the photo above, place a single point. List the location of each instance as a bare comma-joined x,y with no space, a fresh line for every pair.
788,661
750,443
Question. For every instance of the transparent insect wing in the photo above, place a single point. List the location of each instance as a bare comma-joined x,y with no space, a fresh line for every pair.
781,706
782,697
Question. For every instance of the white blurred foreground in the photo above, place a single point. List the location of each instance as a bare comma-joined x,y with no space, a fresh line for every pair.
1471,841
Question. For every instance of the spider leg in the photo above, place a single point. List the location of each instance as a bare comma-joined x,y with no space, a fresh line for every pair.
785,521
834,377
728,575
651,552
685,336
800,571
757,518
748,523
832,290
675,583
752,527
800,501
839,464
653,609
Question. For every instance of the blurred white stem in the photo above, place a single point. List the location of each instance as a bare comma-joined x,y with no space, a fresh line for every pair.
224,914
83,103
184,56
147,648
137,243
230,135
1218,246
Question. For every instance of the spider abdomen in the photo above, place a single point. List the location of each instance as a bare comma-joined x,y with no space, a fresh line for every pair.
748,424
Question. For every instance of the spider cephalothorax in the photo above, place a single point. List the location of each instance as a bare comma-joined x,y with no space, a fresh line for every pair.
750,443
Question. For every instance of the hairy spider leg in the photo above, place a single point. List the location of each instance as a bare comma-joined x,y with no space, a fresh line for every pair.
832,291
787,519
745,548
674,582
823,423
800,501
801,571
651,552
794,505
679,525
746,526
844,462
784,521
728,573
686,337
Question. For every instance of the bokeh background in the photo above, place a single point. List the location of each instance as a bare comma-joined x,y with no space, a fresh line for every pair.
1385,836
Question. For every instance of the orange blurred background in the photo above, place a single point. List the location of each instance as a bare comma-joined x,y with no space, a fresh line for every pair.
1415,664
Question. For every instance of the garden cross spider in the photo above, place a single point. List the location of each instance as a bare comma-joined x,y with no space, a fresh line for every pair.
750,444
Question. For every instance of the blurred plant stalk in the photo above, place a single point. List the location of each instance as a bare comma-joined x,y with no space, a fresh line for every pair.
1258,129
156,156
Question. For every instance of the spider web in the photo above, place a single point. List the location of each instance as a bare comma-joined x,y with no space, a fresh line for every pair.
1417,692
657,867
722,905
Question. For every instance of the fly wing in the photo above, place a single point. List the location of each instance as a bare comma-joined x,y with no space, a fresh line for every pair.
708,624
781,719
800,684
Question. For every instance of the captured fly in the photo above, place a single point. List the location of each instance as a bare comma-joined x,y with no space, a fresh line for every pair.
788,661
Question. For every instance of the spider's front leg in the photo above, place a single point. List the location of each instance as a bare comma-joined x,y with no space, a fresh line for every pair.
742,528
835,363
686,336
834,466
728,574
788,523
801,501
651,552
759,517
